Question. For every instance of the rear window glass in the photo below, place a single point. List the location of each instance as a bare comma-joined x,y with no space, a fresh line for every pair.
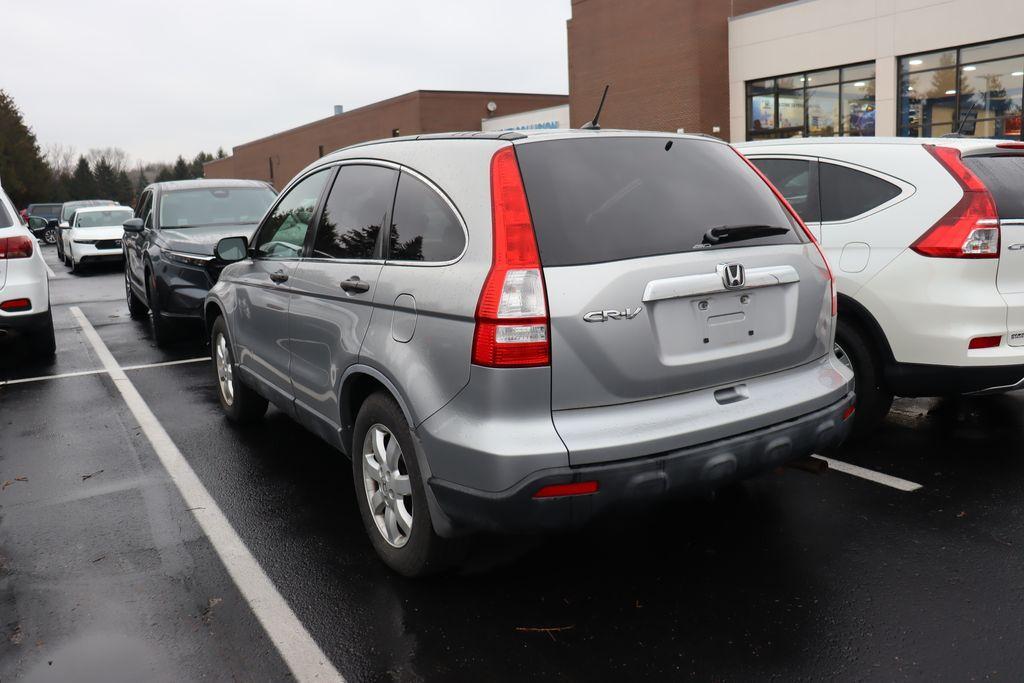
48,211
847,192
1004,178
607,199
5,218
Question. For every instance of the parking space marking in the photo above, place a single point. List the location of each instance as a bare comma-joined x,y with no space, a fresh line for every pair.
80,373
870,475
299,651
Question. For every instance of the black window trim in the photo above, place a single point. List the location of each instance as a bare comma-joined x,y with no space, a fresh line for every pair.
451,206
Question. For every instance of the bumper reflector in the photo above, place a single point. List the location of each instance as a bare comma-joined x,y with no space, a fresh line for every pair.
579,488
848,413
14,305
985,342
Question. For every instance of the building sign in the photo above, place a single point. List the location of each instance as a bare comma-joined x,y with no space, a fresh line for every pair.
537,119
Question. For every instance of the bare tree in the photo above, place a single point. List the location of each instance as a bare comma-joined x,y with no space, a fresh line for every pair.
60,157
115,156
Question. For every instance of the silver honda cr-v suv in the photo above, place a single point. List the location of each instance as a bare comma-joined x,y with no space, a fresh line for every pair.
515,332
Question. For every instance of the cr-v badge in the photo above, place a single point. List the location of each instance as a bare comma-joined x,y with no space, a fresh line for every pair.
602,316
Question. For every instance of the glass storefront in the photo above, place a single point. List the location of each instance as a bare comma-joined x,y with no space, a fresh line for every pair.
838,101
975,89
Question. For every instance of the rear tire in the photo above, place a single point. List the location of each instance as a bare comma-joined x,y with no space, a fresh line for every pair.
43,341
873,396
413,551
240,403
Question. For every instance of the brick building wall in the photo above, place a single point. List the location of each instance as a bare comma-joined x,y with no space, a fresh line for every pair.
422,111
667,62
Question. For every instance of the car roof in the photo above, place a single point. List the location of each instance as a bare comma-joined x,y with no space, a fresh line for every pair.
105,207
201,183
963,144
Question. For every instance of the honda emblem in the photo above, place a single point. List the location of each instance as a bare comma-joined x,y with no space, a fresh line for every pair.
732,274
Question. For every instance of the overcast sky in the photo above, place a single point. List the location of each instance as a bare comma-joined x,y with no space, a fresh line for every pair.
160,79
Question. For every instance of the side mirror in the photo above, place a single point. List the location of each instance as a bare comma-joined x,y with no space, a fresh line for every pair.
232,249
132,225
63,224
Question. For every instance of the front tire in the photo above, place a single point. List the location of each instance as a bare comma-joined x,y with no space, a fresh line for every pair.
136,308
390,492
873,396
240,403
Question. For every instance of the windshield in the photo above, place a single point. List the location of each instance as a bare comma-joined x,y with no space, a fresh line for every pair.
103,219
606,199
214,206
70,207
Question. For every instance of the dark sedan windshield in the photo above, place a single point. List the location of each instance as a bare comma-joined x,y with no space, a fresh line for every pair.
214,206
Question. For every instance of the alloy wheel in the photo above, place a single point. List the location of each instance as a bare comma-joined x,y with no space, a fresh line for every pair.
387,485
225,373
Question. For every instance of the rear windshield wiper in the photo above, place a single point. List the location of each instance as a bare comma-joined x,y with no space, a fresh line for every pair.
721,234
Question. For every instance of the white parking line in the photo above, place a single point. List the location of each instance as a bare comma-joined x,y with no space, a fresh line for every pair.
81,373
298,649
870,475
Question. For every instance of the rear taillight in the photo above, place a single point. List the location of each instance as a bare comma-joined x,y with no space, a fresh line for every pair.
1010,145
785,203
512,314
18,246
971,228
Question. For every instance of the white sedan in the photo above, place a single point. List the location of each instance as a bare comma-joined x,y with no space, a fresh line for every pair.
24,289
94,235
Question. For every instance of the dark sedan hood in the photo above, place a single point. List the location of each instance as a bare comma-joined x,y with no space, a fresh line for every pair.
203,240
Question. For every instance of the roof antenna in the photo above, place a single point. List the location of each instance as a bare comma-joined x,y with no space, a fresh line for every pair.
594,125
963,123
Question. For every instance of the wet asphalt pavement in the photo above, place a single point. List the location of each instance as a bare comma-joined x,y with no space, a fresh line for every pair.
105,574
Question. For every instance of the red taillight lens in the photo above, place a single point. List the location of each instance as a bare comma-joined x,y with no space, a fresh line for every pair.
985,342
848,413
1010,145
16,305
512,315
18,246
579,488
792,212
971,228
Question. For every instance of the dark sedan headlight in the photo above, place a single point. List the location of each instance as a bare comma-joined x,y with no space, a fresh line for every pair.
187,259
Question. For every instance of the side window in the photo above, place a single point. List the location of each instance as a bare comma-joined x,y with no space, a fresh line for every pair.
284,231
846,192
355,210
796,179
144,210
423,228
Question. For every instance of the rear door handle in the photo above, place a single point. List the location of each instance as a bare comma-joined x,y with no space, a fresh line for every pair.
279,277
354,284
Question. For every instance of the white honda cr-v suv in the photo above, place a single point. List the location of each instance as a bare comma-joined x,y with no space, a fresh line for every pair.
926,239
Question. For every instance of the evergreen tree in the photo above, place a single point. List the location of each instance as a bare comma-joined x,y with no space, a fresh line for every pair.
220,153
106,179
23,172
123,193
164,175
181,169
83,183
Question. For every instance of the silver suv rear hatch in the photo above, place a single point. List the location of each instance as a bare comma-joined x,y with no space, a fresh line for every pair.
670,266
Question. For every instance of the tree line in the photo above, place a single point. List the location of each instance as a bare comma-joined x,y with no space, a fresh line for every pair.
58,174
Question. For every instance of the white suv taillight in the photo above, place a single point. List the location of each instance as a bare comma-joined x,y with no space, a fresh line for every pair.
971,228
18,246
512,315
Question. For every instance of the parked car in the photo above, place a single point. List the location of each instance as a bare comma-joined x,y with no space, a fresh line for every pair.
94,235
64,221
926,238
42,229
521,331
24,289
168,245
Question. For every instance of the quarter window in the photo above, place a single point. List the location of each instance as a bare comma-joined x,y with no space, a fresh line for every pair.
424,227
797,180
846,192
284,232
357,207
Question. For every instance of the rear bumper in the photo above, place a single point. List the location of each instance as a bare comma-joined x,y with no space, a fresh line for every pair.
640,482
28,322
913,379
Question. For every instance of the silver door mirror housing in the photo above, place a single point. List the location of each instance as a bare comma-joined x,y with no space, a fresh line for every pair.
132,225
231,249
